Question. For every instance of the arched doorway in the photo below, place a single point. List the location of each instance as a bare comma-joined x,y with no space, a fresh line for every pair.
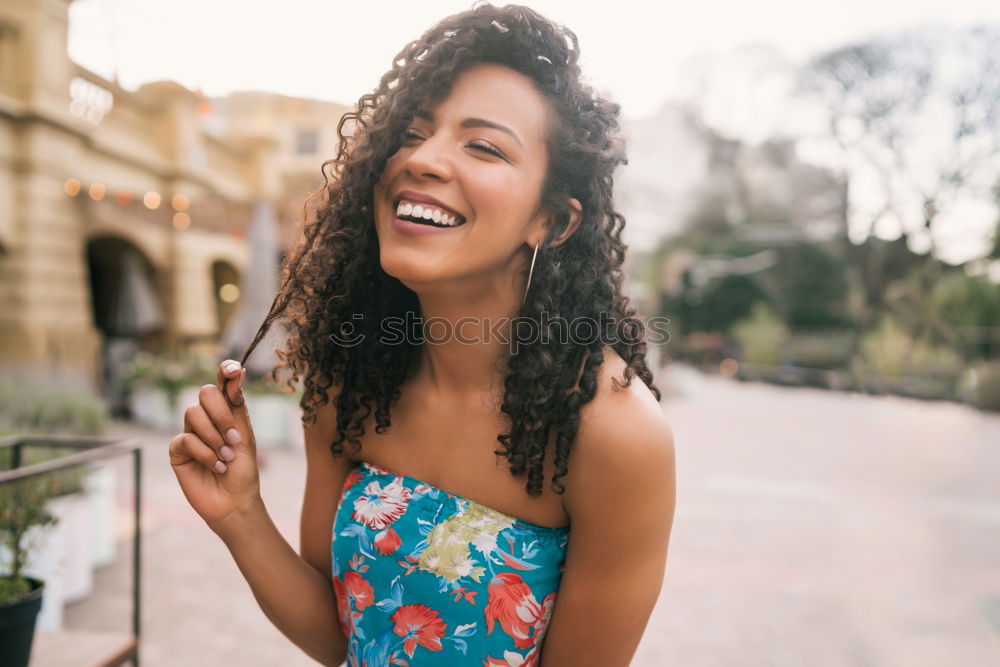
226,286
127,310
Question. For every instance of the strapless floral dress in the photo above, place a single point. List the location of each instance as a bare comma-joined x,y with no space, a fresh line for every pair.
426,577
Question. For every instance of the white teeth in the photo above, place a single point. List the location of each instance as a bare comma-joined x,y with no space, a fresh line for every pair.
427,213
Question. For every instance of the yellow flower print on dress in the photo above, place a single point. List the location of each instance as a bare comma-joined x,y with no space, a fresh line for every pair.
448,555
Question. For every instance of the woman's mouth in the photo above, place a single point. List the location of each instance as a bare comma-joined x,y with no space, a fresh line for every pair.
426,214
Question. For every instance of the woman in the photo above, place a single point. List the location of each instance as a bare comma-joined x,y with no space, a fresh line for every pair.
476,187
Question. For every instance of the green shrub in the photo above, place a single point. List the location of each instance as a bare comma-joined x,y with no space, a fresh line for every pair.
886,349
826,350
891,351
986,386
761,337
22,505
170,375
26,407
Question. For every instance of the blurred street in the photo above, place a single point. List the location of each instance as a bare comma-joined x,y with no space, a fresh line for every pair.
813,528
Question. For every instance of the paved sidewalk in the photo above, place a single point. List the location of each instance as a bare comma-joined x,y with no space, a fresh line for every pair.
813,529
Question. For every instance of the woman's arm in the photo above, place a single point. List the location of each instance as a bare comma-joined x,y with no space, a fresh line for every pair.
620,496
292,593
215,460
303,606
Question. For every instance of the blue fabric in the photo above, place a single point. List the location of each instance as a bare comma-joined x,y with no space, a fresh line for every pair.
426,577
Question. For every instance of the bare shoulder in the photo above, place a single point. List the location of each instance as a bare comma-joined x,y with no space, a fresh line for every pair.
624,433
611,398
620,490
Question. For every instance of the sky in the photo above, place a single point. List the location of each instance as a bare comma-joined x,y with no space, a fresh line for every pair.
732,59
337,51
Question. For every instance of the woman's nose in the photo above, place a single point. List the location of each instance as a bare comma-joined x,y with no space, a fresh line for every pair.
430,159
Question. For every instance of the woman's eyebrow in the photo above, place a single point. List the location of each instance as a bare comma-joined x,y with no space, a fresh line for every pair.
474,122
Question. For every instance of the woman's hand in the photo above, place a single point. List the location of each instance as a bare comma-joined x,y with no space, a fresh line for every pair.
215,457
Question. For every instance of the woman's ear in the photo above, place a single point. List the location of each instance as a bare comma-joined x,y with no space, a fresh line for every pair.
575,216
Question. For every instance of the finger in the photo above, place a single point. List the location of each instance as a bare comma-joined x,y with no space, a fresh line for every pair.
197,421
188,446
242,417
230,380
234,389
221,415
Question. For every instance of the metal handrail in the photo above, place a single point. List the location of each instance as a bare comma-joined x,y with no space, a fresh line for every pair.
96,449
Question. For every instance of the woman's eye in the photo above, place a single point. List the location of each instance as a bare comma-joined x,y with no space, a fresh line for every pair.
483,146
410,135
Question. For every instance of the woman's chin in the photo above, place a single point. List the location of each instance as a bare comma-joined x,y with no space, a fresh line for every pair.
409,271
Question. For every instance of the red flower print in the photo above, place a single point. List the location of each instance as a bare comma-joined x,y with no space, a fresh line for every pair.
343,606
419,624
466,593
410,564
359,589
352,478
358,563
345,615
379,507
387,542
510,659
511,603
542,622
529,659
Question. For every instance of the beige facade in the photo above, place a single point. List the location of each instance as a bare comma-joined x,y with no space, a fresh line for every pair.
91,173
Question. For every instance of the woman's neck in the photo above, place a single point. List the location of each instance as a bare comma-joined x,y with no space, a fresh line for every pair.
466,346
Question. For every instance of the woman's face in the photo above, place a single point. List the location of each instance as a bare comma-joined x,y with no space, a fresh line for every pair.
481,154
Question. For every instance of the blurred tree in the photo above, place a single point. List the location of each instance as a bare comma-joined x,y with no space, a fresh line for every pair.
812,280
966,310
761,337
916,117
722,303
761,228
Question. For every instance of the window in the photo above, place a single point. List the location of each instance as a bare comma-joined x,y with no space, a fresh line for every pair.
307,142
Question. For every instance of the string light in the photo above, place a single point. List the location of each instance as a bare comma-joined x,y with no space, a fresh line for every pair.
123,197
151,199
96,191
729,367
181,202
182,220
229,293
72,187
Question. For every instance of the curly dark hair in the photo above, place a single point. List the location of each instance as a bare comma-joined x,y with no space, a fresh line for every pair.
335,273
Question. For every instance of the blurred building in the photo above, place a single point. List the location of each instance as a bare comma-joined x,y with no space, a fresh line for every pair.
123,214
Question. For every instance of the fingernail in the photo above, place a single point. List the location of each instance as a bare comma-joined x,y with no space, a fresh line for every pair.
233,436
231,367
227,453
220,466
243,378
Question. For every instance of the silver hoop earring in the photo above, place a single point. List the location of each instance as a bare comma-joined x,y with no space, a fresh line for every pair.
530,271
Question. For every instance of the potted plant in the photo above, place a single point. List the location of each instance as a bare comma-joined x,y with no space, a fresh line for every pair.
22,507
61,556
154,384
72,507
101,486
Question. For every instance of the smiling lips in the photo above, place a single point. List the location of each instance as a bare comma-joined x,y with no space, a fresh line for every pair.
422,212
